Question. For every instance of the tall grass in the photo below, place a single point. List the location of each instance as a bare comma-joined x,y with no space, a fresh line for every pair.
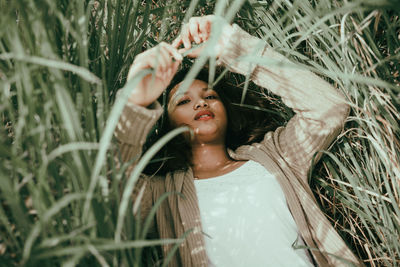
61,63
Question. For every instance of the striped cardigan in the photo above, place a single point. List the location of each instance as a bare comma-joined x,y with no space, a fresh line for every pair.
286,152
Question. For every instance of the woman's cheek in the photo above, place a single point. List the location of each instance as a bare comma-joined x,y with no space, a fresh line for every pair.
219,108
179,117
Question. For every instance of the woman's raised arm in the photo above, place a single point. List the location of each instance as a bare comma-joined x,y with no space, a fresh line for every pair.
142,111
320,109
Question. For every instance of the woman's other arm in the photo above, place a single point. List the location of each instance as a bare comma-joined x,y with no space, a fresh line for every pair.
320,109
142,110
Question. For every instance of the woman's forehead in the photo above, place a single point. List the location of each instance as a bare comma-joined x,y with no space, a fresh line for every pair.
197,85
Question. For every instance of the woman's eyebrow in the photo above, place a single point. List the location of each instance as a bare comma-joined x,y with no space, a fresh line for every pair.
202,89
178,95
187,92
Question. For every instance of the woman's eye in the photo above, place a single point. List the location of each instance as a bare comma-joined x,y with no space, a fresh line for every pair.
211,97
182,102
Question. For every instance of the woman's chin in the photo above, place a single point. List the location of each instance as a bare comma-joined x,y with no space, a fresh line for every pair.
208,134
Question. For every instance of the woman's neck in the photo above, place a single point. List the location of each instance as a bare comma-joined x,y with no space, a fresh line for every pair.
210,160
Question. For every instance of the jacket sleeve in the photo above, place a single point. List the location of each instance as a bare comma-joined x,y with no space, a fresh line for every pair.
131,132
133,127
320,109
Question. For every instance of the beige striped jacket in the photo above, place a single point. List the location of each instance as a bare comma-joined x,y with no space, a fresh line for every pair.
287,152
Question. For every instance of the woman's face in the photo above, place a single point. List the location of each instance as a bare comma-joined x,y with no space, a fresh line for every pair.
201,109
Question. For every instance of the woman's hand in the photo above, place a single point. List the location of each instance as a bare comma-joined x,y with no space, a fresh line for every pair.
165,60
198,30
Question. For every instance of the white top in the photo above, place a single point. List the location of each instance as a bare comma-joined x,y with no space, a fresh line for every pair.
246,220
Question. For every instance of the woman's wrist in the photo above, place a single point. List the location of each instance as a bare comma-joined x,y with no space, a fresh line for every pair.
238,46
226,36
137,98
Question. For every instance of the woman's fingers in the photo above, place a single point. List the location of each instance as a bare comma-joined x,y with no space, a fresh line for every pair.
163,55
197,30
169,63
189,33
177,42
170,72
205,29
174,52
161,58
187,43
183,38
194,30
165,60
158,58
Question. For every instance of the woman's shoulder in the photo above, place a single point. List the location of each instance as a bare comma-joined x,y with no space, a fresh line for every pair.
169,181
160,178
157,179
267,142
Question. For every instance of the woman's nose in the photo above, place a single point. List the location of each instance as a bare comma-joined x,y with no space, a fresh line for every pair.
200,103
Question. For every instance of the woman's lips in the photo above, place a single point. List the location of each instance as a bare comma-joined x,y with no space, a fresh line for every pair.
204,115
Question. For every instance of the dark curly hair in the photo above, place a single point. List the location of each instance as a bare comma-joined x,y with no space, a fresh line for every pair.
247,122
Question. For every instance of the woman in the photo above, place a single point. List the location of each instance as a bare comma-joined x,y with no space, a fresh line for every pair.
248,207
